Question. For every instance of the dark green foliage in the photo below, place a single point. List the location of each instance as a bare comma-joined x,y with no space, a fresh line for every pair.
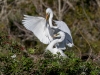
49,65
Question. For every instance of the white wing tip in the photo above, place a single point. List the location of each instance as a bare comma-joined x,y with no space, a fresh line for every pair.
25,15
70,44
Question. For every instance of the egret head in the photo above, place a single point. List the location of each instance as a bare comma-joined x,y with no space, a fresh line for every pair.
59,34
49,13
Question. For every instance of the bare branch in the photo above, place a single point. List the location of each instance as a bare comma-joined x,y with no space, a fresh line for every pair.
43,4
59,10
64,7
28,34
98,2
70,4
86,15
88,44
21,28
80,54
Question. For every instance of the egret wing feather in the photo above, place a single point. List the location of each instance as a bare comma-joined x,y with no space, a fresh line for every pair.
38,26
68,38
62,26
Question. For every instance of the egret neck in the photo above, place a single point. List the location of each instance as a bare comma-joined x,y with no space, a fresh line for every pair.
50,20
54,42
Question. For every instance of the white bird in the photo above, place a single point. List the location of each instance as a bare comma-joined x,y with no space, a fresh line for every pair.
55,50
60,26
44,30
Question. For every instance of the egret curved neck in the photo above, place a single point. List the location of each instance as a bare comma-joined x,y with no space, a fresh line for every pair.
54,42
50,19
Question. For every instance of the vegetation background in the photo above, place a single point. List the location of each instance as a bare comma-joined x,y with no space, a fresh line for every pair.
21,53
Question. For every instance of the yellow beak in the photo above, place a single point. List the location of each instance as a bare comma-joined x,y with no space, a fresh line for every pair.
47,16
55,35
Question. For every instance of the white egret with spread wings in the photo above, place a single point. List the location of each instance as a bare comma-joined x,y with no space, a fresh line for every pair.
44,30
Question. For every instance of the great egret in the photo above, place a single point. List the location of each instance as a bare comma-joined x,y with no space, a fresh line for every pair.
44,30
55,50
60,26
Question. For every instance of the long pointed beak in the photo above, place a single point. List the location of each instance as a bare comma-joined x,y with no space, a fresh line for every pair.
55,35
47,17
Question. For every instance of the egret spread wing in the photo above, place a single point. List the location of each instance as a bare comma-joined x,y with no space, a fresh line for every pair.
63,27
38,26
68,38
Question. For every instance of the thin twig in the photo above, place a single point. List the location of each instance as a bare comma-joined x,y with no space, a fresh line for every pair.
70,4
59,9
98,2
80,54
88,18
88,44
